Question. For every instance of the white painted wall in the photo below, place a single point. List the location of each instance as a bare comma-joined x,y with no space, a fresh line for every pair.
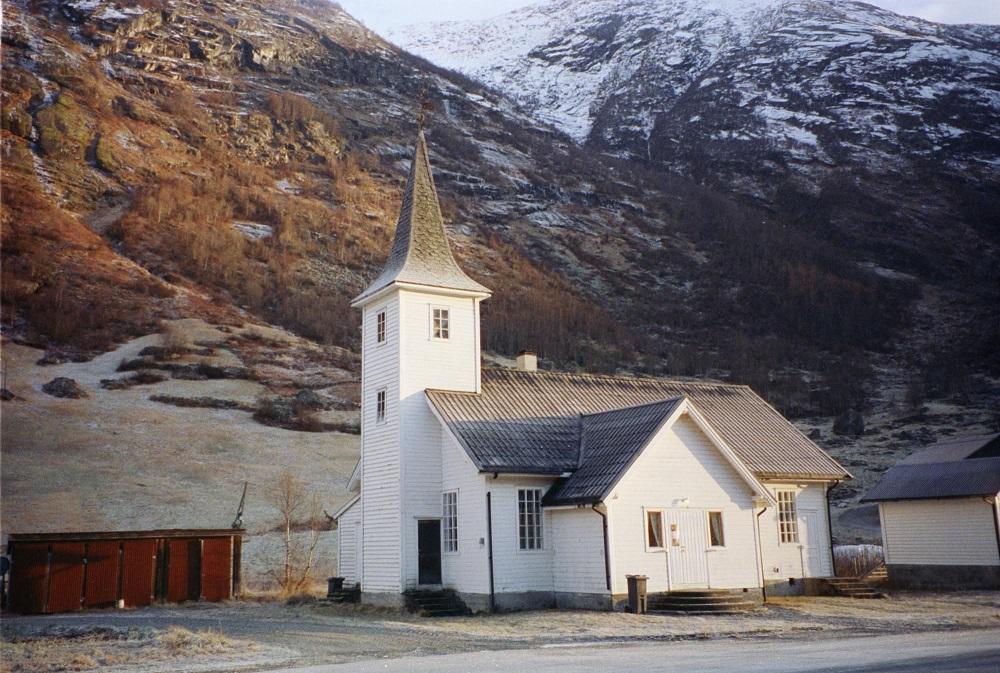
810,557
466,570
426,362
958,531
348,538
578,551
381,466
681,462
515,570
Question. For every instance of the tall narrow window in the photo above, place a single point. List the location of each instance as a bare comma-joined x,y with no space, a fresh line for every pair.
380,327
380,406
788,521
654,530
449,528
529,518
440,323
716,535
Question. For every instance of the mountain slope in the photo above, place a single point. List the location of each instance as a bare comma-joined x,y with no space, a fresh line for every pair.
243,165
888,127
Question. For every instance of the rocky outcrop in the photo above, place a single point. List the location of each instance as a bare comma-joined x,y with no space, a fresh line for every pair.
62,386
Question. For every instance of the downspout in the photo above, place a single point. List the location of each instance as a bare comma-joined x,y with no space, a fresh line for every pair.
996,521
829,528
760,557
607,554
489,548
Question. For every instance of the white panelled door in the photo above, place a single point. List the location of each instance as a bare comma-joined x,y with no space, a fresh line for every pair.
811,539
687,547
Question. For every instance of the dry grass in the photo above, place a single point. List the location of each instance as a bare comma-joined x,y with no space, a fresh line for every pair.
101,647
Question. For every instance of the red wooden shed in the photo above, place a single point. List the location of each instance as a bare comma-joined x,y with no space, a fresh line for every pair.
63,572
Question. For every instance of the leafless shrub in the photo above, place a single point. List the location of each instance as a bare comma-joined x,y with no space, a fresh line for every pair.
173,339
298,512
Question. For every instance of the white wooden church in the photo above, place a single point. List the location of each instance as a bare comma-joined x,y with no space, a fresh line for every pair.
526,489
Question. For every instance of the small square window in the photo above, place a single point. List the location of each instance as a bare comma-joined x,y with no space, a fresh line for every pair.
380,327
440,323
716,534
380,406
654,530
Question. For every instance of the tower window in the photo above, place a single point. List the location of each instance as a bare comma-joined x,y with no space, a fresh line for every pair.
440,323
380,327
380,406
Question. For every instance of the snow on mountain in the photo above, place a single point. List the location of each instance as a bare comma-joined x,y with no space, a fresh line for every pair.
820,83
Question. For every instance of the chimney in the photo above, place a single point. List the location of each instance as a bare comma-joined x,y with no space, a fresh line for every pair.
527,361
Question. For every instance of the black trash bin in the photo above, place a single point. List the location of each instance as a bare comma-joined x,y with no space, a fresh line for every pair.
334,585
636,594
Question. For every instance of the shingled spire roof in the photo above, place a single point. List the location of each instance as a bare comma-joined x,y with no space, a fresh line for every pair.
420,252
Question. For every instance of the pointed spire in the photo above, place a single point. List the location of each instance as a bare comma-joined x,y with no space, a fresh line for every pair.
420,252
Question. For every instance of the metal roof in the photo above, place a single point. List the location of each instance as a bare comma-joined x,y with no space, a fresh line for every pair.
950,469
529,422
609,443
420,251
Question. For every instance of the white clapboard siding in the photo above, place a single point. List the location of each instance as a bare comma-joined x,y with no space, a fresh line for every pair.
578,551
681,463
515,570
958,531
467,569
810,556
426,362
380,451
348,539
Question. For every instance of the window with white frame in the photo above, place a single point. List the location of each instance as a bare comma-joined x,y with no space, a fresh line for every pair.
529,518
788,520
440,322
716,533
380,406
654,529
380,327
449,523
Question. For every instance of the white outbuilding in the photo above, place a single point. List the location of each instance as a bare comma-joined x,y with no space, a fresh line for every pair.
522,488
940,516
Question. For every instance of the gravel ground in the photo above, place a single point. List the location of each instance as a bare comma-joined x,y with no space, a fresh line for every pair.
315,633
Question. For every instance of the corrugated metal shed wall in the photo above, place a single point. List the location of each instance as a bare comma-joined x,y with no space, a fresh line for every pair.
102,574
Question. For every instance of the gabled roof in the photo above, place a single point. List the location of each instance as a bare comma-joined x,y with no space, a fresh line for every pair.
529,422
956,468
610,441
420,252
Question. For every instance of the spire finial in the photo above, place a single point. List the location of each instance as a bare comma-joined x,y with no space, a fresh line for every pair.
425,106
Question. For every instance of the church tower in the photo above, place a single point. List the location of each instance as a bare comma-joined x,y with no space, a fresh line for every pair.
420,330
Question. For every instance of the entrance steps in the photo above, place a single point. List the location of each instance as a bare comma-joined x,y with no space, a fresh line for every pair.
346,594
436,603
853,587
700,602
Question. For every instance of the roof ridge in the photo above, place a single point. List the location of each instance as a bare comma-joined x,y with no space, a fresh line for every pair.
614,377
616,410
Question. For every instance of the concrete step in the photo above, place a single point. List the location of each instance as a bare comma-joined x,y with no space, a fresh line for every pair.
695,600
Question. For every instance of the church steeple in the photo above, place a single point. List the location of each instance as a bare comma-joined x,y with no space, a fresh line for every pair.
420,252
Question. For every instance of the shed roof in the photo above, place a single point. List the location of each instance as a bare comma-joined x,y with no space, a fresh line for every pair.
963,467
530,422
420,251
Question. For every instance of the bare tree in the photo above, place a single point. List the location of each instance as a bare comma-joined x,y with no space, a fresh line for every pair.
299,522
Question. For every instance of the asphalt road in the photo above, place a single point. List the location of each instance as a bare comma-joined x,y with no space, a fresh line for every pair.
938,652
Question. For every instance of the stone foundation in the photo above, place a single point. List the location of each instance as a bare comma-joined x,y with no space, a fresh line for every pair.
943,577
383,599
566,600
